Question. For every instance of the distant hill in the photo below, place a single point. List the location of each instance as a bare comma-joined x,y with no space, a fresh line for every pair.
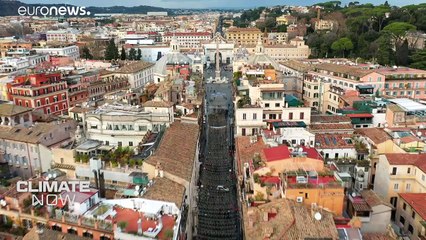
10,8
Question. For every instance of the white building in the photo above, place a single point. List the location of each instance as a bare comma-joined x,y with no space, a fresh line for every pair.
248,120
67,35
189,40
119,125
226,50
139,73
69,51
28,150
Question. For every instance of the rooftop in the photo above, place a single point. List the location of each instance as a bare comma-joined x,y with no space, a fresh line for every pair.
416,201
166,190
283,152
343,69
330,119
288,124
332,141
285,219
160,104
9,110
418,160
408,105
51,235
376,135
134,67
176,151
247,149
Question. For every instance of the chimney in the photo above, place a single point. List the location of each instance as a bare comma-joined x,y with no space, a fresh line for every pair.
140,226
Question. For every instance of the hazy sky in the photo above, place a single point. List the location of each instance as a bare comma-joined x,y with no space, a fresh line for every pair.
203,3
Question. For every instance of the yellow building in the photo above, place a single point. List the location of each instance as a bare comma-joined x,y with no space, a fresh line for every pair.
375,142
411,214
243,36
398,173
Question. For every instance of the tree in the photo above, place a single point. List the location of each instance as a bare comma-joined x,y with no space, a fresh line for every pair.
418,59
342,45
243,101
402,54
385,52
86,53
132,54
122,225
282,28
111,52
139,56
259,196
123,53
398,31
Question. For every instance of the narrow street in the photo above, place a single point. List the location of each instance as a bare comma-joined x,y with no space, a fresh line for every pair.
218,209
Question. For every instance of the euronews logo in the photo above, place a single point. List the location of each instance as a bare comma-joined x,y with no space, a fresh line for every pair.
53,11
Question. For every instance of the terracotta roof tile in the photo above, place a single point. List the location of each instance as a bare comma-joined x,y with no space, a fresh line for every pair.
176,151
417,201
418,160
376,135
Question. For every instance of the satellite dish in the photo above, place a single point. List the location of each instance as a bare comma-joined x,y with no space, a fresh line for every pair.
353,194
49,175
136,193
3,202
318,216
300,150
55,175
137,187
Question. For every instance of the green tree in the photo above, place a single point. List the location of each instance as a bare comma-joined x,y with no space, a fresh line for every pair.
243,101
282,28
398,31
139,56
132,54
123,53
418,59
111,52
86,53
342,45
402,54
385,52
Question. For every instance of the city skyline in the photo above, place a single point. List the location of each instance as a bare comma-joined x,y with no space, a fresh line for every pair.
201,4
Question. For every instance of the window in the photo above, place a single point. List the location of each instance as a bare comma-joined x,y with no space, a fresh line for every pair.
143,128
107,143
290,116
120,144
266,104
131,144
410,228
114,181
394,171
302,115
408,170
62,160
94,126
254,116
244,116
402,220
404,206
413,214
423,177
395,186
408,187
277,104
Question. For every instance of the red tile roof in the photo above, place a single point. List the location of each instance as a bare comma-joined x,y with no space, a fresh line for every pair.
188,34
418,160
246,150
360,115
376,135
312,153
417,201
276,153
272,179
